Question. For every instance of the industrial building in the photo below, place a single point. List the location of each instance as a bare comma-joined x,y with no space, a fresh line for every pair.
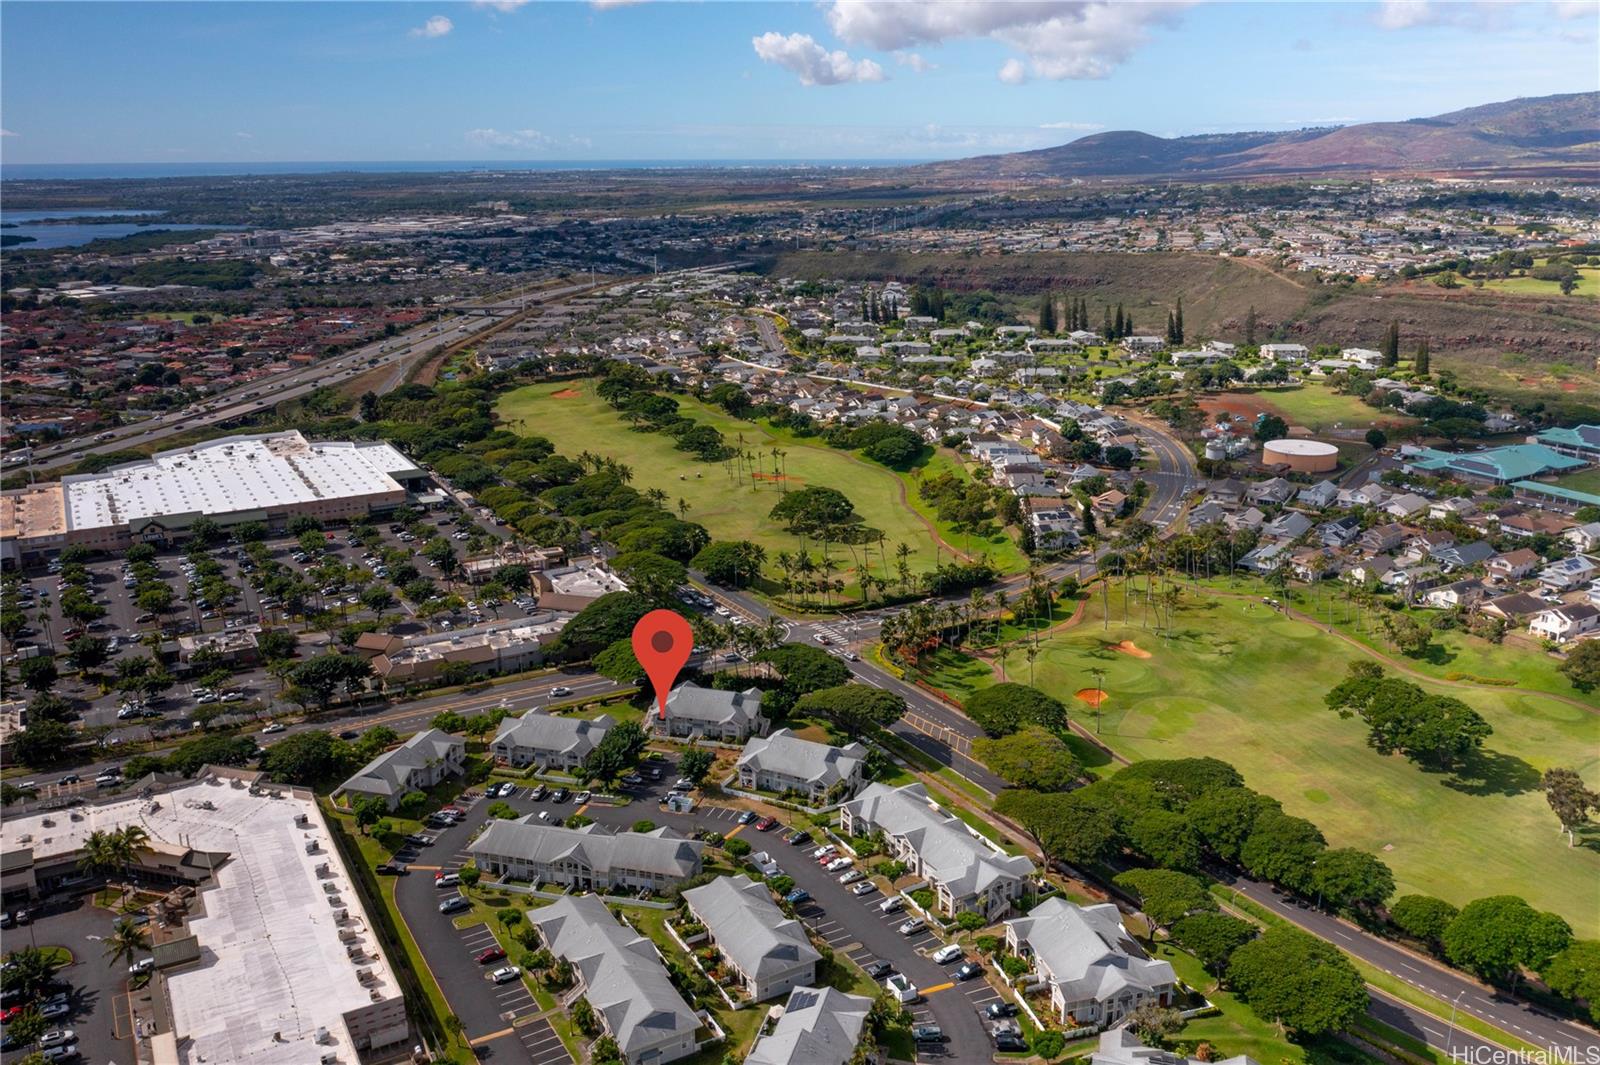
263,954
258,477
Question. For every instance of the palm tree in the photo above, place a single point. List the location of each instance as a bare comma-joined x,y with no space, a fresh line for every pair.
125,942
98,853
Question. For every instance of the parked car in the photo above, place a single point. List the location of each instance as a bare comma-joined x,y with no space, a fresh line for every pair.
766,824
913,926
866,887
506,974
800,838
55,1009
446,879
746,817
453,904
274,727
392,869
1009,1041
538,793
852,876
143,965
948,953
839,863
892,904
825,849
489,954
879,969
969,970
59,1037
560,795
1000,1010
797,896
582,797
421,839
927,1033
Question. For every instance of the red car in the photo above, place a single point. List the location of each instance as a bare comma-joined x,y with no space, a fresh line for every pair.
10,1013
490,954
766,824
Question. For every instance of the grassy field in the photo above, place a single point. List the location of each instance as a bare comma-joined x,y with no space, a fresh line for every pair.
1238,683
1314,406
734,508
1582,481
1588,284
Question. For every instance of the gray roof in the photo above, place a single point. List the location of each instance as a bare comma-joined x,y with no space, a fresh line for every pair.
714,706
945,845
816,763
623,976
661,851
386,774
550,732
819,1026
750,929
1089,952
1121,1046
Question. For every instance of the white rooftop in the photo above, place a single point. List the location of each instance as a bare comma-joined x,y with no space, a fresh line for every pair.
273,967
232,474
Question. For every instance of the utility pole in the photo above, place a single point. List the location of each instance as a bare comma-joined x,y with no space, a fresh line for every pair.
1099,697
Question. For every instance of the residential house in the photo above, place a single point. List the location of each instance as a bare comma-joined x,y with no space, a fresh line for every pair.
549,741
770,953
1462,556
1404,505
1341,532
1096,971
819,1026
1143,345
1270,492
1584,537
1285,352
1381,538
1313,564
1530,523
784,763
1563,623
1454,507
1321,495
1565,574
693,712
1249,518
1452,596
1121,1046
416,765
622,976
965,872
591,858
1514,608
1266,558
1290,525
1513,565
1368,571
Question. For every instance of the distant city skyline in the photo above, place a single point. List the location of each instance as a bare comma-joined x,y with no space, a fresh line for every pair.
507,80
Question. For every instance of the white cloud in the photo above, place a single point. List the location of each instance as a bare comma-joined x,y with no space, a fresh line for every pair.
1059,38
604,5
914,61
242,135
1571,9
505,7
513,138
1081,127
437,26
8,133
814,64
1466,14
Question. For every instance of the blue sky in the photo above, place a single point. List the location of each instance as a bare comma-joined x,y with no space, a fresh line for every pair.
841,79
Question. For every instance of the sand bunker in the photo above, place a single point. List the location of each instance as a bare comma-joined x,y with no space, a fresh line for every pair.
1128,647
1093,696
566,393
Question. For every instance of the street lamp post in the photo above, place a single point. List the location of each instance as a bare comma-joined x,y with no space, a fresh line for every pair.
1450,1039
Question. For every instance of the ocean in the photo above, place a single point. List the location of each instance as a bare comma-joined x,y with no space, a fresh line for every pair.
129,171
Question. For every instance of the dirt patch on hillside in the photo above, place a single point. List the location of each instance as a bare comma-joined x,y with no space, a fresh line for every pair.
566,393
1128,647
1095,697
778,478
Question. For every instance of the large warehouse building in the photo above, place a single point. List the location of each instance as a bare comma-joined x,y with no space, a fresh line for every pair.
264,477
262,952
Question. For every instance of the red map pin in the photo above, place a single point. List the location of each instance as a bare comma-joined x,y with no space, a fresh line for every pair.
662,642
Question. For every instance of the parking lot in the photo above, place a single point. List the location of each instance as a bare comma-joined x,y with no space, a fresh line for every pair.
97,1000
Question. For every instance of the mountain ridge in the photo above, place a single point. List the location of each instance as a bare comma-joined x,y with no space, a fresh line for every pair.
1559,132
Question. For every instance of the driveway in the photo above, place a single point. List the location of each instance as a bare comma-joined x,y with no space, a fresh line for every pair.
98,989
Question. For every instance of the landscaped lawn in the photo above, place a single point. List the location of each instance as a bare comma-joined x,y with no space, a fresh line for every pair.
730,506
1588,284
1582,481
1318,407
1240,683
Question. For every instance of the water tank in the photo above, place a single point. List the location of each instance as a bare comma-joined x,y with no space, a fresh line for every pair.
1302,456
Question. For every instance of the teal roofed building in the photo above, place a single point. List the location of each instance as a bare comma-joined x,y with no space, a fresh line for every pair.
1580,441
1499,465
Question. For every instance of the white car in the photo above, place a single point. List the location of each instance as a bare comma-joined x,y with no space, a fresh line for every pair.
913,926
947,953
852,876
59,1037
560,691
839,863
505,975
866,887
824,849
446,880
274,727
892,904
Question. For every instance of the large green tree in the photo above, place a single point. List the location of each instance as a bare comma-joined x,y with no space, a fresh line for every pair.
731,563
1212,938
1165,895
1575,973
1422,917
856,709
310,758
1032,758
1002,709
1499,936
1298,981
1350,878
